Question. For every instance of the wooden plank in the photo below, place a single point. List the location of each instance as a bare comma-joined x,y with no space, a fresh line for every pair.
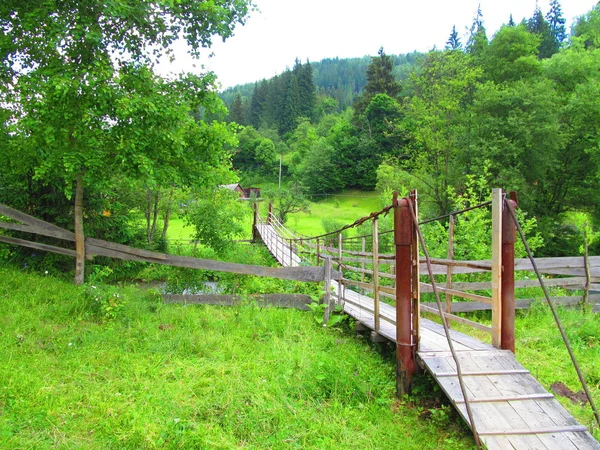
425,287
477,374
571,429
513,398
458,307
37,246
458,319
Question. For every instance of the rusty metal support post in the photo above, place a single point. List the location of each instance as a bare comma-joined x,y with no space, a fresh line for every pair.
270,214
403,240
509,236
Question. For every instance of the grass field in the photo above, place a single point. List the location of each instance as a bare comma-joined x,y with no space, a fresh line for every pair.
142,375
345,208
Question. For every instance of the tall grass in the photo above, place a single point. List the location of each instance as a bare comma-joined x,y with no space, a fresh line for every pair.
167,376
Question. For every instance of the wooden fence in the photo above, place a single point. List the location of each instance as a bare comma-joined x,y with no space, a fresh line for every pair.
25,223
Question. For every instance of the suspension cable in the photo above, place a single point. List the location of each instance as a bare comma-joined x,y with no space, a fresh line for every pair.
425,222
554,313
445,325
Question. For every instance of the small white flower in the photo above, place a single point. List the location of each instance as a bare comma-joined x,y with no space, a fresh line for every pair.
70,343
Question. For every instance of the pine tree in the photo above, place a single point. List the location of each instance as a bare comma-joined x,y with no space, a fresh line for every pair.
237,113
453,42
380,80
307,91
258,103
557,24
478,40
538,25
511,22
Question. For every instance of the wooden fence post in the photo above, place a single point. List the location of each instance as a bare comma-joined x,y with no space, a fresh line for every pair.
255,223
376,272
328,296
509,236
270,214
403,240
496,267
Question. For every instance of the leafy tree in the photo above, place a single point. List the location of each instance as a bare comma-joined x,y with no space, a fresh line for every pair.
319,172
254,152
438,123
217,216
453,42
287,201
587,29
81,93
512,55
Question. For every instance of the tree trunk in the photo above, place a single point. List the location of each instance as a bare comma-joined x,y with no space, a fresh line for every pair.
79,236
148,208
167,217
154,217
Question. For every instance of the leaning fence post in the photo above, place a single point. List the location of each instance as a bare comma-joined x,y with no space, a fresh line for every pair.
509,236
496,267
327,298
403,240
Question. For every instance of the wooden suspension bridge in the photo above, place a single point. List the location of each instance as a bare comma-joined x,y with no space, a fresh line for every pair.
506,407
501,401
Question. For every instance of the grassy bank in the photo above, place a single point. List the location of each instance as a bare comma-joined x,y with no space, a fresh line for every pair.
148,375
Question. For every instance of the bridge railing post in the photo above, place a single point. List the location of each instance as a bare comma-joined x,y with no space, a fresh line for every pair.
403,239
328,297
376,273
270,214
509,236
496,267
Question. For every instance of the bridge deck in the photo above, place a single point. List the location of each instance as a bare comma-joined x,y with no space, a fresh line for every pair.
511,409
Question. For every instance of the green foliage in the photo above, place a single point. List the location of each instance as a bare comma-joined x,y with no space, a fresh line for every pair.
217,218
287,201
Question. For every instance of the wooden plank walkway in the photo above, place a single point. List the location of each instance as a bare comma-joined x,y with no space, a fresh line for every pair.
511,409
277,246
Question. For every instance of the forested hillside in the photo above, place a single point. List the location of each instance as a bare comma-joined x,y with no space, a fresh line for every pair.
519,110
340,79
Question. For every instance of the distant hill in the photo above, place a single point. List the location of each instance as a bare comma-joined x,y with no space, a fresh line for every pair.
343,79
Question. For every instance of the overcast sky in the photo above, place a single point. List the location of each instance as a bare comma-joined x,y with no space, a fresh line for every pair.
283,30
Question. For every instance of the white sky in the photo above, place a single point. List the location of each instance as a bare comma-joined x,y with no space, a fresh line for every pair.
284,30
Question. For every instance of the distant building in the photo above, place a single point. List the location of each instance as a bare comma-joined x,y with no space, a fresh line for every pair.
247,193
